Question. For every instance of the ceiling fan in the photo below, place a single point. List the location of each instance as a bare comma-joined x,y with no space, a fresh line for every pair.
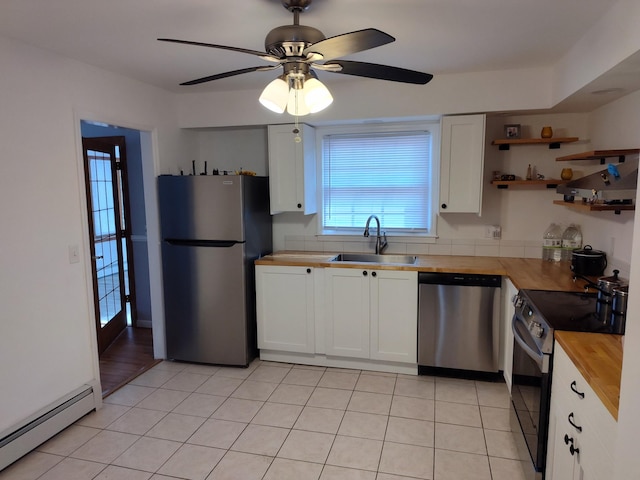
298,49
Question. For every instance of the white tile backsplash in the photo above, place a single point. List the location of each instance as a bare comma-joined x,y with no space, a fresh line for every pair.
420,246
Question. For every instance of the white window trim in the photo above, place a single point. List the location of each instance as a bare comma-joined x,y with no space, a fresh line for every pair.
433,126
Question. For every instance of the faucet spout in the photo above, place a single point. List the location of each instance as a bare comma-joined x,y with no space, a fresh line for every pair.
381,242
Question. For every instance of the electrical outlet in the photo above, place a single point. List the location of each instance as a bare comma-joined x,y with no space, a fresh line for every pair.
493,232
74,254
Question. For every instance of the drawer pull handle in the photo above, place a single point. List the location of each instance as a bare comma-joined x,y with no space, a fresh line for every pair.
570,418
575,389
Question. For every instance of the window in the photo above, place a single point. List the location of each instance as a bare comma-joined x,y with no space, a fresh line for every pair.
384,171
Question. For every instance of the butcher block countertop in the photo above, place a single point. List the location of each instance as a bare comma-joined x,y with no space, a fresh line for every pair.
528,273
598,357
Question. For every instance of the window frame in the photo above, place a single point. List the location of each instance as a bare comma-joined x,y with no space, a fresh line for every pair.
433,126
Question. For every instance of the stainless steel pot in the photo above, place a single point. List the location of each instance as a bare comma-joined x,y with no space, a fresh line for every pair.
606,287
619,309
589,262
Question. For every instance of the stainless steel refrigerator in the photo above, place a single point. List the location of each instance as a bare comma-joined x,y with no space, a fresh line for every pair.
213,228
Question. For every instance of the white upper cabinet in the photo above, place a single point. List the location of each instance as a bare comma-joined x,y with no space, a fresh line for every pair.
462,164
292,169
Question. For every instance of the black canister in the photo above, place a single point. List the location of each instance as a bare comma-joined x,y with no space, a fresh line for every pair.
619,309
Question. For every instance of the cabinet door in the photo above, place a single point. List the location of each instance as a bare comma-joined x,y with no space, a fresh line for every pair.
561,464
462,164
394,315
292,170
285,308
347,312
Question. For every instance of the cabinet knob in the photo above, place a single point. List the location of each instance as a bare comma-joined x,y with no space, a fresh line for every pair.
299,205
574,387
364,273
373,274
308,270
444,206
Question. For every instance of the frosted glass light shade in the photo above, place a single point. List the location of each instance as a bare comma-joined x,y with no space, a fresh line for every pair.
297,105
316,95
275,95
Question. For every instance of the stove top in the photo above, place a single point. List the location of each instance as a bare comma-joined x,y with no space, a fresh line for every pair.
573,311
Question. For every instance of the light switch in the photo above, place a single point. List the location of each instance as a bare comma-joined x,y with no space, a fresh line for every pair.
74,254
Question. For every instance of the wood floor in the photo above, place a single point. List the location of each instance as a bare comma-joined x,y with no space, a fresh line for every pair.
126,358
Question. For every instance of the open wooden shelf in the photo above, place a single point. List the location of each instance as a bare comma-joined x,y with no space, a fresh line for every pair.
505,143
550,183
600,155
598,207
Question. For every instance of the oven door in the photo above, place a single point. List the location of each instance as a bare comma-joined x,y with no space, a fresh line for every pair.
530,395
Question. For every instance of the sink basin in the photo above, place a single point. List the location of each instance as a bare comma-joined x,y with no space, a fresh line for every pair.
373,258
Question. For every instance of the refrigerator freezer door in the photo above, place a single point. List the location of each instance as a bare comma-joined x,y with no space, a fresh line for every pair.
205,308
201,207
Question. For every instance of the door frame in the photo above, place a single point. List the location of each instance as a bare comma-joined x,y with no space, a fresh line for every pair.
150,156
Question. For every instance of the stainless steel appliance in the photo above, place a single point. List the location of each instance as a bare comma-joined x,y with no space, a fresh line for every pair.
213,228
458,321
537,314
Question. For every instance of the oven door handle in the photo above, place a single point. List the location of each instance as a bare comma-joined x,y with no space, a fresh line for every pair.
536,356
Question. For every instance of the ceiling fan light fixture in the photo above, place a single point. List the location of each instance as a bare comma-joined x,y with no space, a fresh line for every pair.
275,95
316,95
297,106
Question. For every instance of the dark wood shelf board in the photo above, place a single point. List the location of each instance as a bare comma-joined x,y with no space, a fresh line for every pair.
505,143
600,155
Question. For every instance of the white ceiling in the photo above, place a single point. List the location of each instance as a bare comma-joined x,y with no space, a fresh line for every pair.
434,36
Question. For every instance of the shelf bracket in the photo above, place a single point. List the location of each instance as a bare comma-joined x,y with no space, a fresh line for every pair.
554,146
504,146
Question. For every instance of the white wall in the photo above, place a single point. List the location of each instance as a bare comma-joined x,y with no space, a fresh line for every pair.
47,334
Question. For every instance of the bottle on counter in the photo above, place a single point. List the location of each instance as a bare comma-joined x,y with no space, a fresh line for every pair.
571,240
552,243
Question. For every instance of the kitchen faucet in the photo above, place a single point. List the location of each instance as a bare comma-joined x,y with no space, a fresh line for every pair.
381,244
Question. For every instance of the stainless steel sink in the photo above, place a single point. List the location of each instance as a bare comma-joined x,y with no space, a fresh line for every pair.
373,258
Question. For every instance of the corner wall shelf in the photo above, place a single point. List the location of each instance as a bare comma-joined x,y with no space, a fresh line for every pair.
599,207
600,155
505,143
550,183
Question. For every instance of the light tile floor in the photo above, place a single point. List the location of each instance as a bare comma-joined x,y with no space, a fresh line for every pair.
276,421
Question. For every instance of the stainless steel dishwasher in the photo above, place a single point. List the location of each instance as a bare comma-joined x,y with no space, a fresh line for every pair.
458,321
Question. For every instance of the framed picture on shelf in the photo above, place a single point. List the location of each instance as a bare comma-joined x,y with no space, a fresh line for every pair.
512,130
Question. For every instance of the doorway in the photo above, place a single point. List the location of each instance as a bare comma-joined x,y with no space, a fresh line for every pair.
134,349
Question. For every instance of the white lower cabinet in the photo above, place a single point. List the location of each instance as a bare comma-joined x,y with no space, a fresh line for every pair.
371,314
582,432
285,308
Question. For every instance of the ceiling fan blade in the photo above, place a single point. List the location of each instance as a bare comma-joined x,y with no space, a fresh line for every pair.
348,43
382,72
228,74
263,55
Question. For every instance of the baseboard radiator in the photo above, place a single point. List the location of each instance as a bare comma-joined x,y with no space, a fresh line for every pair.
47,422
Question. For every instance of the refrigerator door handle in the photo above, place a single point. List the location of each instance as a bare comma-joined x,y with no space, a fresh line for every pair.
202,243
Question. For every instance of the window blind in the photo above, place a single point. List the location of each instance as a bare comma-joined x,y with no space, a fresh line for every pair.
384,174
